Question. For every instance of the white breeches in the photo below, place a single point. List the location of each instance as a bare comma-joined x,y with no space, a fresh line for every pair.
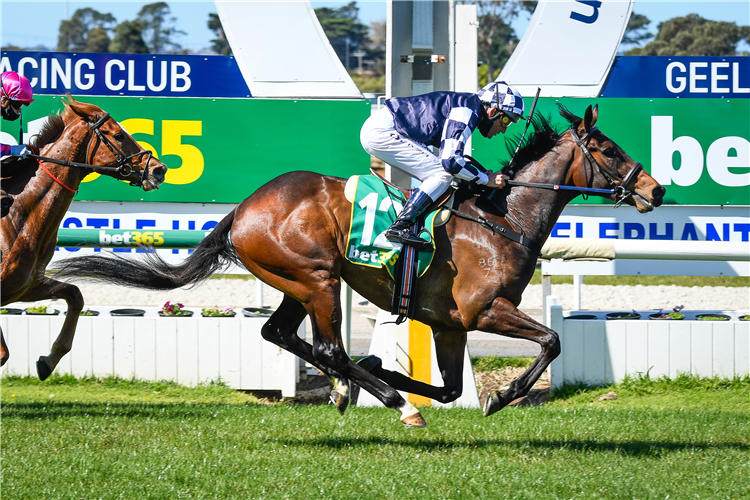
380,139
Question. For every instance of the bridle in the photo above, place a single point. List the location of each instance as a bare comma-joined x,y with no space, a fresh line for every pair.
122,171
620,190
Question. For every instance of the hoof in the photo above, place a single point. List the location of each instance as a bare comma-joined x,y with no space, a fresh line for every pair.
493,403
43,369
340,400
370,362
415,420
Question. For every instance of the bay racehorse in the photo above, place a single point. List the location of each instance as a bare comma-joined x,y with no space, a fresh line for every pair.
291,233
81,140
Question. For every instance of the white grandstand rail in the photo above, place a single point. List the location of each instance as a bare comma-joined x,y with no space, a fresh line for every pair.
598,250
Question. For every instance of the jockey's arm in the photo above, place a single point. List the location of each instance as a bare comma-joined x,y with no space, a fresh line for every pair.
16,150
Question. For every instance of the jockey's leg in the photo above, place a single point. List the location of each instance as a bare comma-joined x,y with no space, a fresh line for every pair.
380,138
431,189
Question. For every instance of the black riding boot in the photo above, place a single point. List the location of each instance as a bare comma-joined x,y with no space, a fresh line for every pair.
400,231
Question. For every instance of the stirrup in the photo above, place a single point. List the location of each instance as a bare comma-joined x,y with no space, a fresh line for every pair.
406,237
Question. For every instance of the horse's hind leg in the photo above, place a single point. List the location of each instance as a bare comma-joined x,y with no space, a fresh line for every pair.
325,314
281,329
48,289
449,351
505,319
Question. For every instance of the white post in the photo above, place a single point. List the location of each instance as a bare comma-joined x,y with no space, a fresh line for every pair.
258,293
546,292
577,282
346,317
556,322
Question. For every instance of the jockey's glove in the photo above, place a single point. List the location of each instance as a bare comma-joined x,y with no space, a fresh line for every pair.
20,150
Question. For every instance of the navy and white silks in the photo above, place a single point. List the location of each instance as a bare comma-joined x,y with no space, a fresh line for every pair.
400,132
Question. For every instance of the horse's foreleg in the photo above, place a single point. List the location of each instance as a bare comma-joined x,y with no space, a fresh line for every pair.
48,289
449,351
505,319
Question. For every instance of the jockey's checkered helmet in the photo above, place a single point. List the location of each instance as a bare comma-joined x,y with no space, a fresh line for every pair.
502,96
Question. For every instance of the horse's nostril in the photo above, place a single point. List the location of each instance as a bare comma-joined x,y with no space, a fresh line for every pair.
659,191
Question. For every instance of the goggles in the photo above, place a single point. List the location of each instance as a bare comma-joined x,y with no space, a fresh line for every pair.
504,119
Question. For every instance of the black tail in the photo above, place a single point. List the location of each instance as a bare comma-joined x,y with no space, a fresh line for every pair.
215,253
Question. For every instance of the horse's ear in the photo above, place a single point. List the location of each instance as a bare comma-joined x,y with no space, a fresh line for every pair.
588,119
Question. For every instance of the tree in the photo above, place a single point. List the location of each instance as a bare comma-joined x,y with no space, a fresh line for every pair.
343,30
693,35
74,33
495,37
220,44
128,38
636,31
158,28
97,40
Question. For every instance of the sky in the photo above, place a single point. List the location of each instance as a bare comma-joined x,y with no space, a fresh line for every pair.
30,23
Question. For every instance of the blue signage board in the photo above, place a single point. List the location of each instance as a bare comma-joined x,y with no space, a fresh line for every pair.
144,75
683,77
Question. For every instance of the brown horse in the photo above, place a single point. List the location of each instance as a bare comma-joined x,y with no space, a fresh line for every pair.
291,233
80,141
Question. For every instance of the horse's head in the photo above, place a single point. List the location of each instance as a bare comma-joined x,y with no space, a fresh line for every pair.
604,164
111,150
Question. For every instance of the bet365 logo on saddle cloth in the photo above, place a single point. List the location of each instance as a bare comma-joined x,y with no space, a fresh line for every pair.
373,212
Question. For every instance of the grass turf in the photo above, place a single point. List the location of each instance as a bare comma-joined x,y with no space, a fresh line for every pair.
68,438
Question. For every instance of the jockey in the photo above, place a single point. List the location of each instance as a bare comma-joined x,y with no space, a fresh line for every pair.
16,93
400,133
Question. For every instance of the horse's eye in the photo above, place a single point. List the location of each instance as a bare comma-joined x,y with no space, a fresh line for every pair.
610,152
119,136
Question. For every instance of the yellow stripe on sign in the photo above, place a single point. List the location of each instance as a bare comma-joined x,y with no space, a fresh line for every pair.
420,352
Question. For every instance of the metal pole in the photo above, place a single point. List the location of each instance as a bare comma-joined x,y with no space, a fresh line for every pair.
346,317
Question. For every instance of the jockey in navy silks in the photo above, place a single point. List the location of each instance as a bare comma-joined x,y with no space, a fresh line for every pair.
399,134
16,93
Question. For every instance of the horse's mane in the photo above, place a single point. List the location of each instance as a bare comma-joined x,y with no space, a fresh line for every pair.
51,131
544,138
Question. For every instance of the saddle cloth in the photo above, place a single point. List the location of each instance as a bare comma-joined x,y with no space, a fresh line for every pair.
374,208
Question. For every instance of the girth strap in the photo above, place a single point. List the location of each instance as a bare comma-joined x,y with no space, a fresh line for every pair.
501,230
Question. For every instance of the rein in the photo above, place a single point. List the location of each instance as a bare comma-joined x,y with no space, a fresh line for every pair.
123,170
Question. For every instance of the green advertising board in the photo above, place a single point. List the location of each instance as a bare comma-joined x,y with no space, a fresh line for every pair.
221,150
699,149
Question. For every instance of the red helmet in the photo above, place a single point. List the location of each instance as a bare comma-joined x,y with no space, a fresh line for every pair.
17,87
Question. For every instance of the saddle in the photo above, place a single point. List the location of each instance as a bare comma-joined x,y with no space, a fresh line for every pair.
442,217
406,270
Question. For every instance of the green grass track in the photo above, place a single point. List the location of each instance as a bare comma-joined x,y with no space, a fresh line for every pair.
109,439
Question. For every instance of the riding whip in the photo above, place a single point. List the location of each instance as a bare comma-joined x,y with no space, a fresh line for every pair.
528,122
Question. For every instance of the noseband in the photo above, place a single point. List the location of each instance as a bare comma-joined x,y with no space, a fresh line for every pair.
622,192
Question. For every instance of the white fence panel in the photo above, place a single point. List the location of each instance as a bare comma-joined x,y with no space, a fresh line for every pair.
597,352
186,350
